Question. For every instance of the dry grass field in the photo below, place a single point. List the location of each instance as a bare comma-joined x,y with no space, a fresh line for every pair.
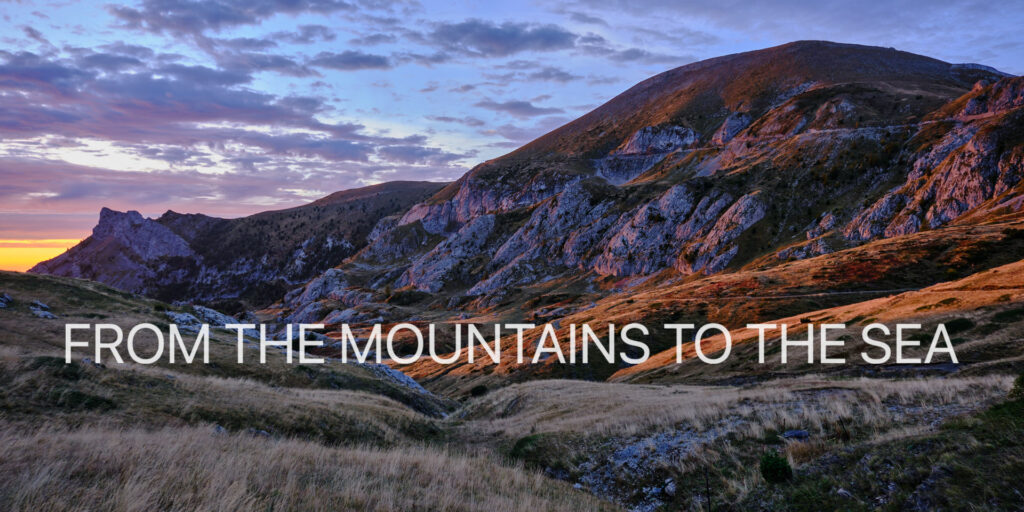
194,468
625,441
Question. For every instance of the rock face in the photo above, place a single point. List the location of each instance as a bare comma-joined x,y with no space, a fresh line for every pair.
978,161
657,139
642,151
126,251
257,258
732,126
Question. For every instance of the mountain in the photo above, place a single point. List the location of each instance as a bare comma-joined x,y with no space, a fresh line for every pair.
255,258
813,174
768,156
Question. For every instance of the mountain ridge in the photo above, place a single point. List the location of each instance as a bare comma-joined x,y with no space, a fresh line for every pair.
198,257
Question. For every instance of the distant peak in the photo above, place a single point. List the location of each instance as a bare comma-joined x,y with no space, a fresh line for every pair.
110,218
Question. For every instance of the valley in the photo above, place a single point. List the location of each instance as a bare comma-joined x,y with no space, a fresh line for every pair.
804,185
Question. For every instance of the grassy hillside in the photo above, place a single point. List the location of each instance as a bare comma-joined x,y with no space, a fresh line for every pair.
339,437
223,435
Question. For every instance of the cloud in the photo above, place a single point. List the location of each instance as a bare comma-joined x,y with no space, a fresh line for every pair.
204,75
552,74
529,70
246,43
251,62
172,105
581,17
131,50
307,34
350,60
596,45
108,62
26,70
417,155
373,39
468,121
518,108
36,36
427,60
195,17
487,39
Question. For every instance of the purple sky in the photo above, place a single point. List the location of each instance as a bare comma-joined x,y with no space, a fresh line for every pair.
238,106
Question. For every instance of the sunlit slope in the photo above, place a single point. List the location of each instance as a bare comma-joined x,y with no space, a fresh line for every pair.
984,314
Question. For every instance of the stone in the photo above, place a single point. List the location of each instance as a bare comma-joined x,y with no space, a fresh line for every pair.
44,314
670,487
185,321
796,434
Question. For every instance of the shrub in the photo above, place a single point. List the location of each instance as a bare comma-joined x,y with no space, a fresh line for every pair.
959,324
1017,391
775,468
479,390
1009,316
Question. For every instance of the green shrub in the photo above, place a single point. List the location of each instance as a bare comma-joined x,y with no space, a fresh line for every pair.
1009,316
1017,391
775,468
526,448
959,325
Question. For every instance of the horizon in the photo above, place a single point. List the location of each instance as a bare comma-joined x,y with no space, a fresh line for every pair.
249,109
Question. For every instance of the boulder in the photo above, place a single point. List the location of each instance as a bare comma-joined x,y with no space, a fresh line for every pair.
796,434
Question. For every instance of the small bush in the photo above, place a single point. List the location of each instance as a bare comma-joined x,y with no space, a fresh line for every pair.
526,449
959,325
479,390
1017,391
775,468
1009,316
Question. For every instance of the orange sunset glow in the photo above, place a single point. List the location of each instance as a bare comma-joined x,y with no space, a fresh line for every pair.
21,255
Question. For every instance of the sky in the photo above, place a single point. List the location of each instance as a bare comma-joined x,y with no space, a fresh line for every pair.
232,107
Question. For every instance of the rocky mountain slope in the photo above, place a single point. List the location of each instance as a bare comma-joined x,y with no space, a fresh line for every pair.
256,258
768,156
880,169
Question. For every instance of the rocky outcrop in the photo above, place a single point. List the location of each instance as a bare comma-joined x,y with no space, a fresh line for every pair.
716,249
642,151
125,250
973,163
657,139
732,126
447,261
196,257
648,238
559,234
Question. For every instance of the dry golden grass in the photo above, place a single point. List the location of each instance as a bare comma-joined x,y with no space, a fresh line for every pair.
812,403
43,391
191,469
